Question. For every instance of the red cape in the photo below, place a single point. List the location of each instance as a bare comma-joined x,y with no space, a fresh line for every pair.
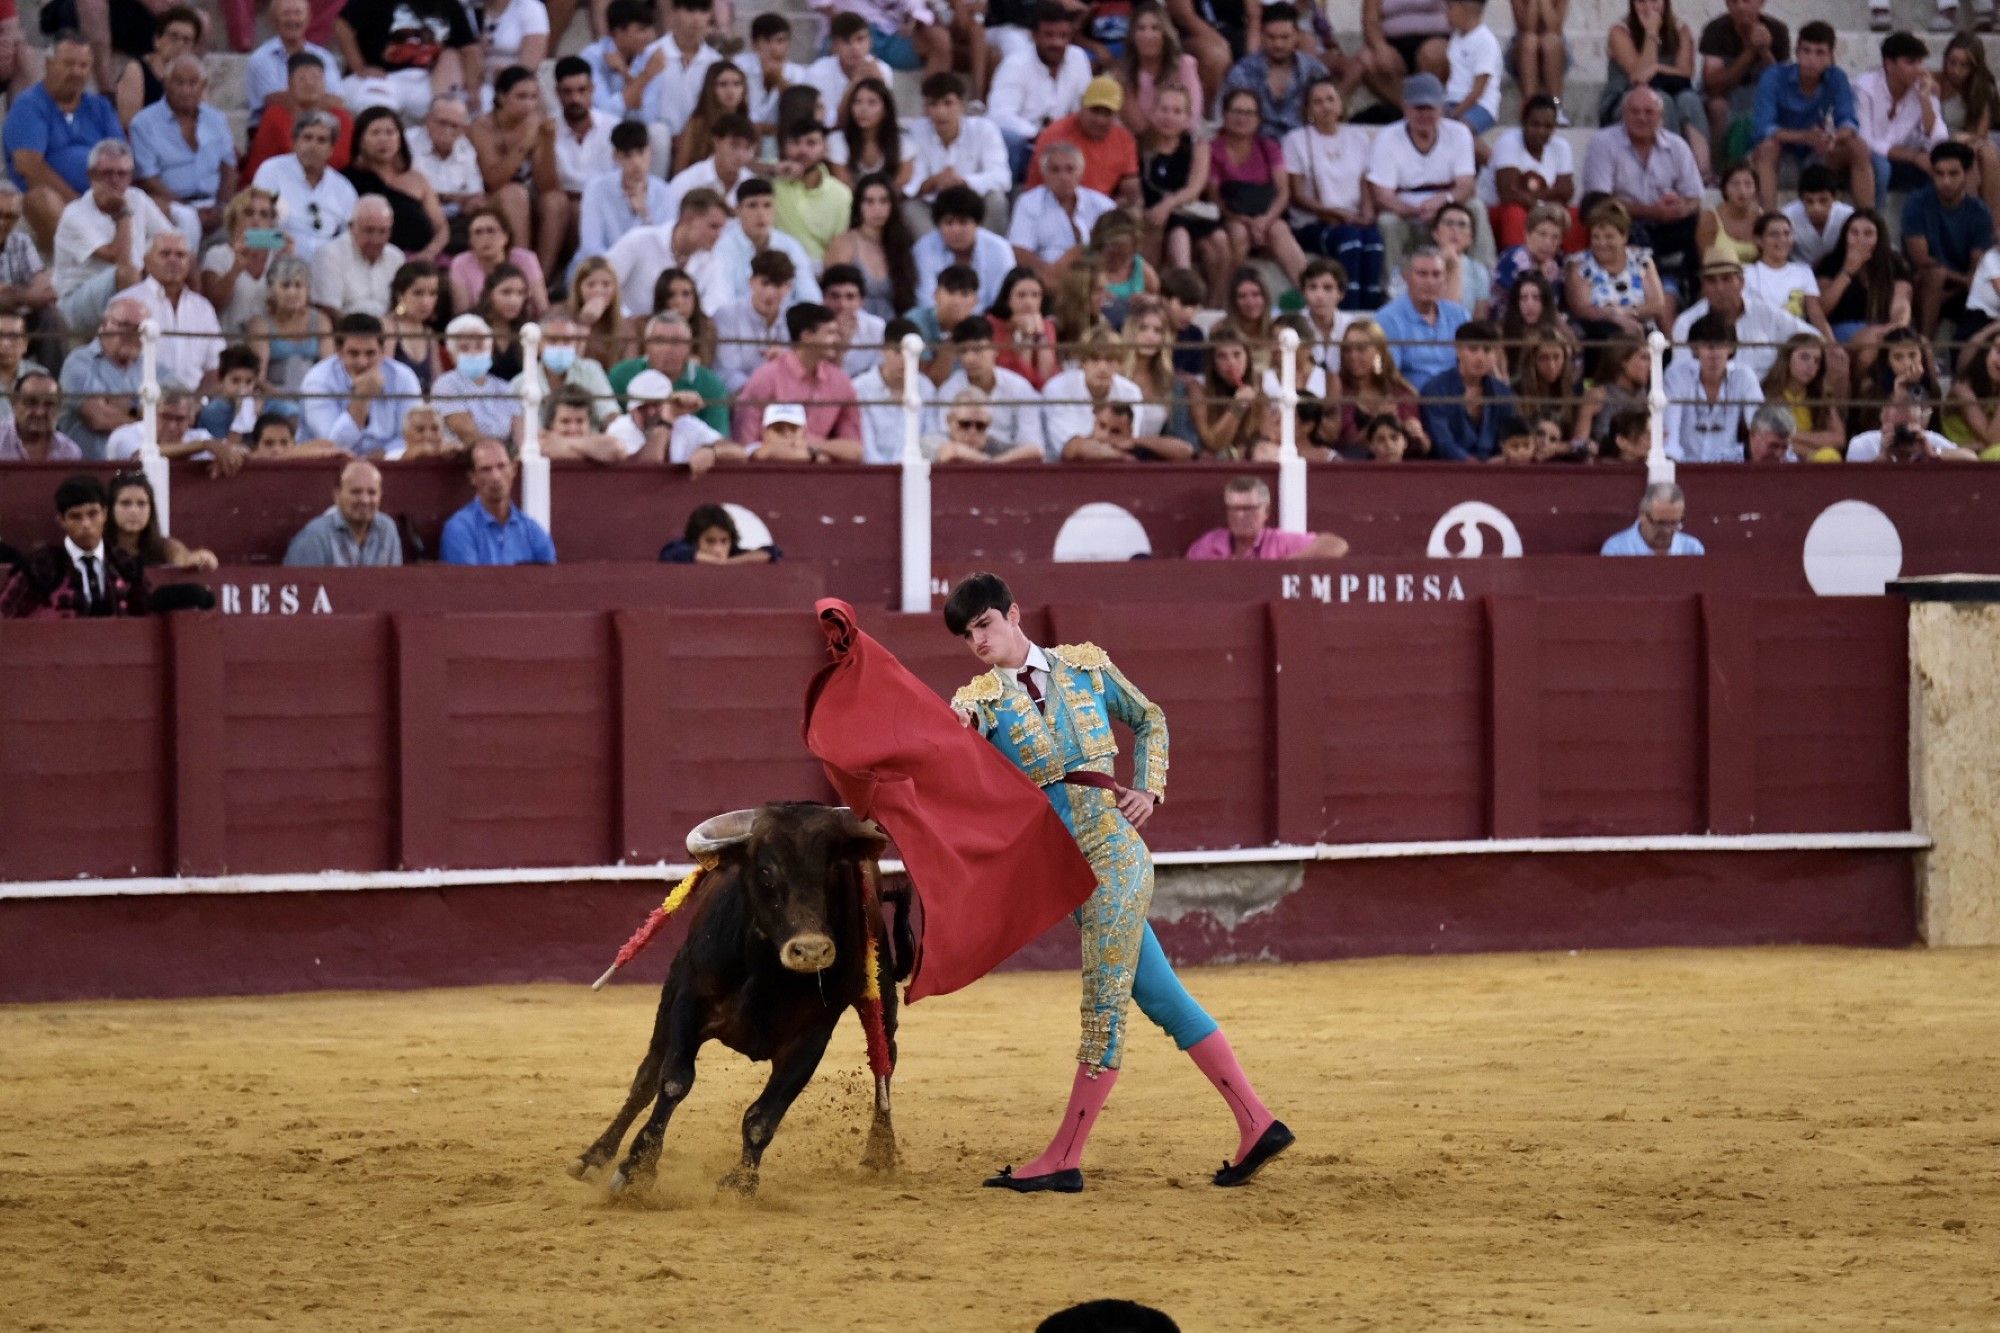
987,855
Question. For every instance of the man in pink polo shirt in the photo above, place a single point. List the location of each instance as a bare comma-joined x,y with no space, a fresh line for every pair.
809,375
1247,503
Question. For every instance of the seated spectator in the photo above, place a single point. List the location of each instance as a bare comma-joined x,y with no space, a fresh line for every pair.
1417,167
1736,48
724,95
753,331
1781,281
1333,210
492,246
593,296
14,362
1467,282
1534,312
880,393
1248,534
1896,106
1070,399
1052,220
1545,389
1229,412
356,398
29,434
308,89
413,304
1540,253
959,240
1759,328
665,425
1772,432
878,246
1369,386
810,373
1402,41
476,404
1864,285
1711,397
178,436
134,527
1022,329
570,433
1655,50
231,412
1620,380
1816,216
582,153
441,151
1613,288
1468,409
266,70
564,369
1947,230
403,53
1662,512
184,157
492,529
1653,176
950,150
276,435
1277,75
192,345
969,436
83,575
726,170
1628,437
234,271
813,206
1109,152
291,335
1180,221
866,139
1385,439
625,70
1164,409
711,538
1013,411
1038,85
353,532
1798,384
315,202
1421,324
768,68
382,167
784,439
517,32
103,236
1905,437
1805,111
860,331
1472,88
849,60
1152,60
52,133
100,380
751,233
1310,377
26,286
631,196
669,346
1905,369
354,271
516,146
643,255
1247,182
1531,166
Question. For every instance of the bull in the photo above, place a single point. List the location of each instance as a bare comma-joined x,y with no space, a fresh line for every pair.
776,951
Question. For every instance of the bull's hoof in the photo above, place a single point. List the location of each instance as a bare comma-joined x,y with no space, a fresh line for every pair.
629,1182
740,1181
581,1168
880,1154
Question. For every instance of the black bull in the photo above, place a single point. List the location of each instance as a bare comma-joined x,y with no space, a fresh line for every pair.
775,954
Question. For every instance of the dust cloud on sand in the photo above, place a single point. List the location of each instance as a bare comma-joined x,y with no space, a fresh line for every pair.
1669,1140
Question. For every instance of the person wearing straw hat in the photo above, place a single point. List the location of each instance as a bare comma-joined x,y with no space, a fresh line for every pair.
1760,327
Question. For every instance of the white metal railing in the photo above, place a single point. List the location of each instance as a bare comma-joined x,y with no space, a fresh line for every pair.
916,489
537,498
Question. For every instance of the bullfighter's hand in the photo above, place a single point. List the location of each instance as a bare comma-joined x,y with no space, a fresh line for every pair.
964,715
1135,805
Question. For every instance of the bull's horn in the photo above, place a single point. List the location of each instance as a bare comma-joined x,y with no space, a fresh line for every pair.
719,832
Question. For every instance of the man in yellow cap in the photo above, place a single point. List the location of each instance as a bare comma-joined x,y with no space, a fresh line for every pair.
1110,153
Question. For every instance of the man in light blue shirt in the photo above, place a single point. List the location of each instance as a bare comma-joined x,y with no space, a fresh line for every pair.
355,398
1421,324
607,212
1662,510
201,176
752,232
639,94
746,331
491,530
960,239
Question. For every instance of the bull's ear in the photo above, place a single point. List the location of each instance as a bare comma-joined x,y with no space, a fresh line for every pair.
865,836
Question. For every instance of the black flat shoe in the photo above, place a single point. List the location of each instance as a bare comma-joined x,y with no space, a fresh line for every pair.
1270,1143
1060,1182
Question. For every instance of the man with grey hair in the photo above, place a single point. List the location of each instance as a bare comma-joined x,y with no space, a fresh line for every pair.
1051,224
102,238
26,286
1420,324
1654,173
179,437
315,202
100,380
51,129
1662,513
353,530
669,349
183,151
1248,534
353,271
1772,428
190,350
441,151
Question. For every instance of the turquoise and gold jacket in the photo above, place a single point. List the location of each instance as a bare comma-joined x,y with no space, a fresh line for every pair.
1085,692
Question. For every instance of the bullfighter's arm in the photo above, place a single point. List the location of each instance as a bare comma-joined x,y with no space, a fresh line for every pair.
1135,710
978,700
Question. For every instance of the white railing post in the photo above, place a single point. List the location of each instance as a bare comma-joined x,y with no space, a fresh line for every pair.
916,511
1659,468
535,489
150,461
1291,463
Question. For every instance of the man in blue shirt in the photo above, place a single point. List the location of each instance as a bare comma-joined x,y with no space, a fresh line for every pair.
1946,232
1468,409
1280,99
616,202
1806,109
50,132
181,148
1420,323
1662,510
356,398
491,530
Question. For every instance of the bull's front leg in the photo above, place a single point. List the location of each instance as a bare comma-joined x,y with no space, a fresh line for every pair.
792,1067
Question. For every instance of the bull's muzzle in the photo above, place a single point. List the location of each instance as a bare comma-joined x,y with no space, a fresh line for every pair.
807,953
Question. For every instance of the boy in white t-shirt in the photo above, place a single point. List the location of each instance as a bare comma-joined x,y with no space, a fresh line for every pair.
1472,93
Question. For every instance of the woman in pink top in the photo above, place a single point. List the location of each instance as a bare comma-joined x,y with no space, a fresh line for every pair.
1153,56
1248,182
490,244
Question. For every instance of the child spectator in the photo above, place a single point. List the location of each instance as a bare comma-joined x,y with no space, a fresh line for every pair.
711,538
232,413
1472,92
1711,397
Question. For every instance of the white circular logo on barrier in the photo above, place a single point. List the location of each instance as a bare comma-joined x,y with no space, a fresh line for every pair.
1852,550
750,530
1102,531
1470,519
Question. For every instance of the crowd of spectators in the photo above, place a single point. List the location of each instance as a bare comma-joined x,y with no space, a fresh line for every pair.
1099,225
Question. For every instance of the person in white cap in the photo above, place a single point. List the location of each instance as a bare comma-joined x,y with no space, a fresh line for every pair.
665,425
784,437
476,403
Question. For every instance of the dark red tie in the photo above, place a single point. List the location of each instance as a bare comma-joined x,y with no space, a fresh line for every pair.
1082,777
1026,675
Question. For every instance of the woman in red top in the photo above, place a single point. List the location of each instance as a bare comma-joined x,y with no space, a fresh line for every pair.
1024,337
1248,182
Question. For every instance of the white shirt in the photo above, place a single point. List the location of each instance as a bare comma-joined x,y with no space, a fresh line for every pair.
1558,159
763,102
455,174
1063,422
671,96
826,75
197,350
1326,350
311,215
579,161
1471,54
701,176
96,580
1333,165
123,444
688,434
1015,404
84,229
504,35
1785,288
1809,243
1025,97
246,297
1412,176
343,281
1700,431
1759,331
978,154
1887,124
1040,225
882,416
1867,447
644,253
1315,383
734,250
992,260
1983,295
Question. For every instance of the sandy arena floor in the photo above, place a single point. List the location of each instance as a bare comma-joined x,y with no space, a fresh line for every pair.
1659,1140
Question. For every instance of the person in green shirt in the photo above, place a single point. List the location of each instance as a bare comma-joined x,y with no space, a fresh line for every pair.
813,205
670,350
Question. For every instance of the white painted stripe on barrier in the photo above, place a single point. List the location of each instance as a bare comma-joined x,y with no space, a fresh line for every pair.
667,872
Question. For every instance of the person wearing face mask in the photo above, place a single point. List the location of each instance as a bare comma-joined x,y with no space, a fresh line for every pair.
476,404
565,367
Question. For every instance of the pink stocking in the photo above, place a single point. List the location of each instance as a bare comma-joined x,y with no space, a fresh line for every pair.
1086,1098
1213,1056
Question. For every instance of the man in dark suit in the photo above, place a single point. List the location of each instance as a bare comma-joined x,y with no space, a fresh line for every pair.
82,575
